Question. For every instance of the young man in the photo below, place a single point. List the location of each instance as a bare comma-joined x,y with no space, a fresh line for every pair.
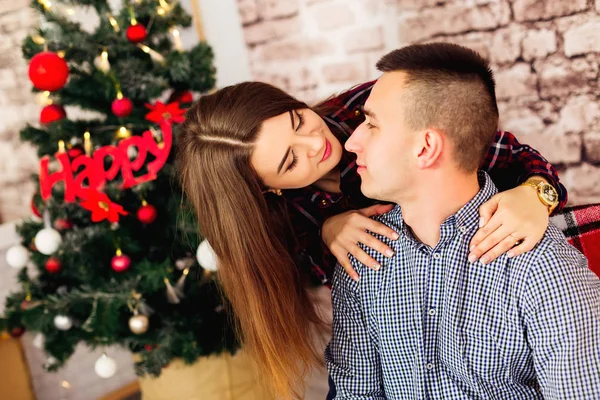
430,324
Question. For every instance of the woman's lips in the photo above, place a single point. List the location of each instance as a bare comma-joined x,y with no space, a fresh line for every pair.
327,151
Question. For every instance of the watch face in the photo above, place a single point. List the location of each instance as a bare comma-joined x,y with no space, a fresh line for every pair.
549,193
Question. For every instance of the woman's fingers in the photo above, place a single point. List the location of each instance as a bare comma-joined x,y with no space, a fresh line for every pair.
525,246
376,244
482,242
364,258
345,263
502,247
381,229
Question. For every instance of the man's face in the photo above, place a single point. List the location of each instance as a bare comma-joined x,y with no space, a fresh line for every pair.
386,150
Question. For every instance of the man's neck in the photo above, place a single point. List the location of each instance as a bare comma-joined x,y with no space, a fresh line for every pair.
442,196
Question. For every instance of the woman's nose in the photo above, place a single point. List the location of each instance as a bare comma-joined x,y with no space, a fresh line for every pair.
313,143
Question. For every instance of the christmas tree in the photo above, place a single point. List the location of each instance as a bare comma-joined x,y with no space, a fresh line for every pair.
112,257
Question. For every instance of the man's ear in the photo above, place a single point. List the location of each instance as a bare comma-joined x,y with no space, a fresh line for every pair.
430,147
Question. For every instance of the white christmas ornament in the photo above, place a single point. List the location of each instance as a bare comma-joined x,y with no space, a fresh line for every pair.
17,256
105,366
47,241
62,322
206,256
38,341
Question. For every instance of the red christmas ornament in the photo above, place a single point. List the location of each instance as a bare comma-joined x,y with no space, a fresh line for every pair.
34,208
120,262
17,332
136,33
62,224
150,347
74,152
122,107
52,113
47,71
25,304
53,265
146,213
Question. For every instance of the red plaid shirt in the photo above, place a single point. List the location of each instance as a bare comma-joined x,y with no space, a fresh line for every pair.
508,163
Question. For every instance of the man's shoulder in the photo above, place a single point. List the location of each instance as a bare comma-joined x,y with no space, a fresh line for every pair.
553,259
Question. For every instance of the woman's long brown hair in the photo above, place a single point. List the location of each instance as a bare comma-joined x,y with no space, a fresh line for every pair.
248,230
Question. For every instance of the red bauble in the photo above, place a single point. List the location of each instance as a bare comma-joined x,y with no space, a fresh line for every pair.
25,304
136,33
74,152
52,113
122,107
62,224
120,263
48,71
34,208
182,96
53,265
146,214
17,332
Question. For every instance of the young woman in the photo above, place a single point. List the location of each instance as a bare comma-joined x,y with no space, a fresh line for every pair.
278,198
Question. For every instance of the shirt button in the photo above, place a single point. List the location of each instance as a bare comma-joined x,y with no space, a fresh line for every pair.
432,311
323,203
357,112
437,256
462,229
429,366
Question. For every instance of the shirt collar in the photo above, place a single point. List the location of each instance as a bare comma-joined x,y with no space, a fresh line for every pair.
465,220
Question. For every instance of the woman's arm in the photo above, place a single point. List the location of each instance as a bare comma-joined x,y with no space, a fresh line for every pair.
510,163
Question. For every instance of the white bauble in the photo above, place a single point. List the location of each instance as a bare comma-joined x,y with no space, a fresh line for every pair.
105,366
17,256
206,256
62,322
47,241
38,341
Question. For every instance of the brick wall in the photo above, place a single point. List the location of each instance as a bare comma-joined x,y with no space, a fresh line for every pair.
17,107
545,54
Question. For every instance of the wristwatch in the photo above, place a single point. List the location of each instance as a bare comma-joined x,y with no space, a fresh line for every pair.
546,193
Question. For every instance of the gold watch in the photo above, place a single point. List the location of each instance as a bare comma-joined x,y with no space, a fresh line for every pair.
546,193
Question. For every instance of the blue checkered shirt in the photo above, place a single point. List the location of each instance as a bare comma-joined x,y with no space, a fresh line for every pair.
431,325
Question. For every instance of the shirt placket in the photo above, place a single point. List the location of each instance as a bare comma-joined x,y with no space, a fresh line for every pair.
431,311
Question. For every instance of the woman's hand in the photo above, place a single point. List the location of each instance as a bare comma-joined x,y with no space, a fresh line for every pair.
513,221
343,232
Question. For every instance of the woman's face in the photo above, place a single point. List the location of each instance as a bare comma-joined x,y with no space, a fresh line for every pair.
294,150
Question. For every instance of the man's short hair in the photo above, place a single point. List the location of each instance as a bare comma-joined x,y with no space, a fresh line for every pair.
450,88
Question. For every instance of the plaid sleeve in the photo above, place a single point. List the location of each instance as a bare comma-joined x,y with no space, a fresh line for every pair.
562,317
351,356
510,163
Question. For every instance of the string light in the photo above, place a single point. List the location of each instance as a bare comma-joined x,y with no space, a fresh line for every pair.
102,63
113,22
87,143
123,133
61,146
38,39
176,39
44,98
156,56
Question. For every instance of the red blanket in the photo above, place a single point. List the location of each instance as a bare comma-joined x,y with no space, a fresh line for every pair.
581,226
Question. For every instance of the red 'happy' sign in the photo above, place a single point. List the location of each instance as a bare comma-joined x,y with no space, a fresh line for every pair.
92,168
